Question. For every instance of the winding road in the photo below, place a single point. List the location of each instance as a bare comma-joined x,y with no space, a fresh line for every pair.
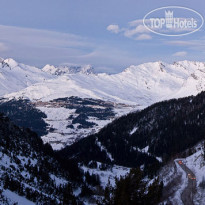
187,194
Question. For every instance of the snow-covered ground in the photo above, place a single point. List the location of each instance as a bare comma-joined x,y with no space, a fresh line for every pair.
62,134
107,175
14,198
57,118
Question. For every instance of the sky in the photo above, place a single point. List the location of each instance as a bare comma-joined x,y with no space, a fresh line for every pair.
103,34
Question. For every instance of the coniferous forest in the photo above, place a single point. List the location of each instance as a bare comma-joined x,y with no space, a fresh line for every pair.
165,129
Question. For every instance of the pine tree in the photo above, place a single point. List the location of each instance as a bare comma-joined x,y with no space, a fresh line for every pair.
68,197
108,192
132,190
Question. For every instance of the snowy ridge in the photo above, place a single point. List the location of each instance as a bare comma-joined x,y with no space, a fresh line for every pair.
63,69
15,76
140,85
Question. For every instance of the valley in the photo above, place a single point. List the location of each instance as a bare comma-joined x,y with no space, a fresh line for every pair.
107,125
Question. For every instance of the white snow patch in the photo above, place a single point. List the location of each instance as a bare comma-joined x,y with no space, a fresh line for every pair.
102,148
58,181
145,150
108,175
15,198
133,130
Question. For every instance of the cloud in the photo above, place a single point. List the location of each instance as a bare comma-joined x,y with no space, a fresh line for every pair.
180,54
133,29
144,37
113,28
139,29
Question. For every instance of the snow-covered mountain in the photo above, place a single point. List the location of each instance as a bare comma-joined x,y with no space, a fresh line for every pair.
25,178
51,90
16,76
141,85
65,105
151,138
63,69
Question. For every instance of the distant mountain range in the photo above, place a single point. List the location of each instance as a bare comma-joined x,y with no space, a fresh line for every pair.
76,101
100,126
140,85
15,76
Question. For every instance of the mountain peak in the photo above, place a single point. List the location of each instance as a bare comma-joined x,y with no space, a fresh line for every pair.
65,69
49,69
157,66
9,62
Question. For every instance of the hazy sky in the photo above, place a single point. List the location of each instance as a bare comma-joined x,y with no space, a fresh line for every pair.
95,32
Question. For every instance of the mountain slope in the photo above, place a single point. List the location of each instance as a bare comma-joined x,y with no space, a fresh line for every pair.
141,85
15,76
147,137
31,173
134,88
62,121
29,169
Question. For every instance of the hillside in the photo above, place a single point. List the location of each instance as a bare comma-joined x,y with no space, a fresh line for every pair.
62,121
57,86
70,106
29,171
15,76
147,138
